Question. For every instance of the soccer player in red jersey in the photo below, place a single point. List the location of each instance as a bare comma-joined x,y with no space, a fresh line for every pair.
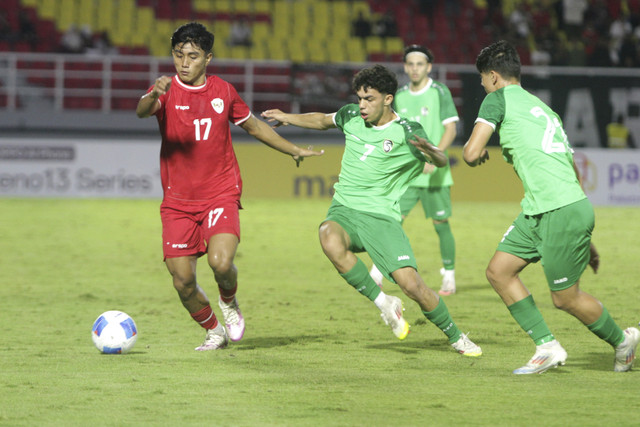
201,178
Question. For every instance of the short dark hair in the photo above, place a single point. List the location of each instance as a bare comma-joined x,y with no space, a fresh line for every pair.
417,48
194,33
377,77
500,56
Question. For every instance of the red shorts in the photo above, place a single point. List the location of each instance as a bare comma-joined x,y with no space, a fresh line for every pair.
187,227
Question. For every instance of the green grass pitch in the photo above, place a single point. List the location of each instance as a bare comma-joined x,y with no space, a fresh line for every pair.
315,352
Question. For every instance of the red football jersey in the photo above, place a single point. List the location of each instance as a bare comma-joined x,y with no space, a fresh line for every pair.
197,161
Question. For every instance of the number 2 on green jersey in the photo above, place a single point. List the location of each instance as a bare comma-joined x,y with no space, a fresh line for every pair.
553,125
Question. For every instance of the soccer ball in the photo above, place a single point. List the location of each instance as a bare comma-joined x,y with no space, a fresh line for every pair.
114,332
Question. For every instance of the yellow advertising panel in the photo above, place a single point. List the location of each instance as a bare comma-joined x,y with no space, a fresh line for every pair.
268,173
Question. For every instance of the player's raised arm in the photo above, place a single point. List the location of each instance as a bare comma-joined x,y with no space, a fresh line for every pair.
265,134
433,153
148,103
318,121
474,151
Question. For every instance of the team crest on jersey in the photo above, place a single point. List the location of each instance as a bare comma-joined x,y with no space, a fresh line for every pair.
424,111
387,145
218,105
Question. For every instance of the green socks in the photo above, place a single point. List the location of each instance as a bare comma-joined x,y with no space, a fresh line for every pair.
530,320
359,278
606,329
447,245
442,319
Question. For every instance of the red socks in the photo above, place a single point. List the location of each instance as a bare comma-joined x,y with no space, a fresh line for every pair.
227,295
206,318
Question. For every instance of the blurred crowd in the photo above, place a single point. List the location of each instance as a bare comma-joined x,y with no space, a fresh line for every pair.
599,33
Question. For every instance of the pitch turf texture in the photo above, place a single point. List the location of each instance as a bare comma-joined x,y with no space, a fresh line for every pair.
315,352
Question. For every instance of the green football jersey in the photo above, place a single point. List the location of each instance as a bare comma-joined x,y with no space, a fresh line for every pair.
432,107
378,162
533,141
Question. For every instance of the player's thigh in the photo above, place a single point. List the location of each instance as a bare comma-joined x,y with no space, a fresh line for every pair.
520,240
340,230
436,203
181,232
566,241
385,241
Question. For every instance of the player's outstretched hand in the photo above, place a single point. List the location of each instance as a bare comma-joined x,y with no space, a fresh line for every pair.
277,117
306,152
594,260
437,157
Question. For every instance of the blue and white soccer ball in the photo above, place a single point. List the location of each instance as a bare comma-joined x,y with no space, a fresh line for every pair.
114,332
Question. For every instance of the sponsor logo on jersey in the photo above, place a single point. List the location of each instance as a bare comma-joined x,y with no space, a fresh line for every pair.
218,105
179,245
403,257
564,279
182,107
387,145
424,111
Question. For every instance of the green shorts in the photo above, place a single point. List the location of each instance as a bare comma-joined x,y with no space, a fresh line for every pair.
561,239
382,237
436,201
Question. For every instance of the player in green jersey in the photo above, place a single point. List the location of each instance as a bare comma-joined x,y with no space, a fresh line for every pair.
429,103
383,154
557,219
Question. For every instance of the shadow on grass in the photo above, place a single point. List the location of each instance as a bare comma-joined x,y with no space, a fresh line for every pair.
270,342
413,346
600,361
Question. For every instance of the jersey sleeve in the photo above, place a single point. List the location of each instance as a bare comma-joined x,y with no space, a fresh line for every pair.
492,109
448,112
411,129
344,114
239,111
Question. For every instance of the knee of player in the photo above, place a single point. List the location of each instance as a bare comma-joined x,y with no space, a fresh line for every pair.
184,284
331,241
490,273
220,264
409,281
563,301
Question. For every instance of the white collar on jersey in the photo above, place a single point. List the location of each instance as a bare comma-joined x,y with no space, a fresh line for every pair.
189,87
423,90
386,125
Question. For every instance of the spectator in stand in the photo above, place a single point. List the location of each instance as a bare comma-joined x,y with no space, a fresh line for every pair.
27,29
520,22
619,135
87,37
361,26
72,40
560,54
577,56
601,56
629,52
385,26
597,14
241,34
618,30
6,32
101,45
573,13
